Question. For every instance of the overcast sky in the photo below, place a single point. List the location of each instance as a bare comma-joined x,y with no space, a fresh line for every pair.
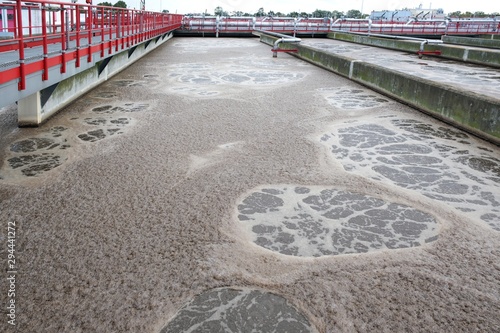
308,6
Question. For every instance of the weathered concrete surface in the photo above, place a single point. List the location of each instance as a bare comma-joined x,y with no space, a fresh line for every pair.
466,97
126,202
473,55
486,41
497,37
41,105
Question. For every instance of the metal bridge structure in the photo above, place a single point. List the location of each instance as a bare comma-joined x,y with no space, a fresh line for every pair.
53,52
211,25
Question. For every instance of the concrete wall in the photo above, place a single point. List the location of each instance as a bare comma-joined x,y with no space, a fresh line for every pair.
491,36
476,114
486,42
465,54
38,107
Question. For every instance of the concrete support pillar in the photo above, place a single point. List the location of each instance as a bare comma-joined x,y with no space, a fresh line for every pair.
29,110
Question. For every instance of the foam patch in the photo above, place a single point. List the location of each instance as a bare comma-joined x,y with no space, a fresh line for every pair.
350,99
33,156
313,221
438,162
238,310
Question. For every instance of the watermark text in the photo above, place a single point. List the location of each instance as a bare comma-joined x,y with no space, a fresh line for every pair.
11,273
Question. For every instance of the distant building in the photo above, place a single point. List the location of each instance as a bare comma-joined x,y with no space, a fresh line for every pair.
404,15
391,15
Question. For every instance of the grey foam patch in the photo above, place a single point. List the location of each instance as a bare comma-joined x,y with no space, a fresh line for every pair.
203,46
238,310
107,123
243,77
36,155
312,221
352,99
128,83
98,134
105,94
33,165
436,161
206,80
126,107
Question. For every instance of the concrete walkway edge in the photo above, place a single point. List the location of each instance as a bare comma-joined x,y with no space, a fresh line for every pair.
471,112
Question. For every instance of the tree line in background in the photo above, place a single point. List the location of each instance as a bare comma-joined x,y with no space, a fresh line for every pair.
119,4
469,14
353,13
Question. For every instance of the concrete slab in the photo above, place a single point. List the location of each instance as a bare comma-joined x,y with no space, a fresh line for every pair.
472,111
479,79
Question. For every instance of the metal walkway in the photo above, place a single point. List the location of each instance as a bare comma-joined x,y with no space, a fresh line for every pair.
47,42
211,25
40,36
50,42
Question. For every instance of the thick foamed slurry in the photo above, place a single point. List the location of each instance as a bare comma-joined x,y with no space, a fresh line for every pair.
211,187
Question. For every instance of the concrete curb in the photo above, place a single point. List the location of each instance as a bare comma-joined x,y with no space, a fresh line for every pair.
489,42
39,106
471,112
473,55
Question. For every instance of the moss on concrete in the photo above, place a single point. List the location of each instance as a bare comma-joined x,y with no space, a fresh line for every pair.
454,52
474,113
487,41
338,64
394,44
477,114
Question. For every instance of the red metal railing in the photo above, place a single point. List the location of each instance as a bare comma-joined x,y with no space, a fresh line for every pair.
422,27
64,32
211,24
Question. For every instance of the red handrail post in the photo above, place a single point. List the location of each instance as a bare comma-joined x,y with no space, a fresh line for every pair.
22,75
110,29
102,31
77,19
121,28
45,74
64,44
88,19
117,29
